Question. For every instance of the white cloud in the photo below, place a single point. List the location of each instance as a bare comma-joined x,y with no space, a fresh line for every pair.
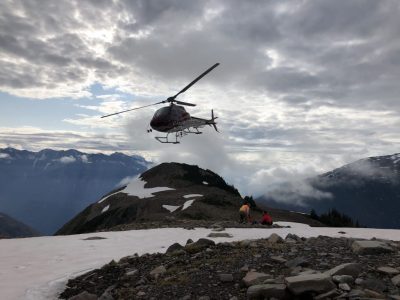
5,156
67,159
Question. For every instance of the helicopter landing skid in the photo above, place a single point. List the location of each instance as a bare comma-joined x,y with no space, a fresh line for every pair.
164,139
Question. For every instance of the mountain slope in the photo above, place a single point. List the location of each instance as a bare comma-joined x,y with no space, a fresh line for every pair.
169,190
367,190
169,194
45,189
11,228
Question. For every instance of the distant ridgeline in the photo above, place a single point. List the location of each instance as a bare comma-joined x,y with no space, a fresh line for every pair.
11,228
367,191
47,188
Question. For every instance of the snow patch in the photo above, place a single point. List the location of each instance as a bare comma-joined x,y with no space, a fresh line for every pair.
187,204
136,188
171,208
105,208
192,195
67,159
205,182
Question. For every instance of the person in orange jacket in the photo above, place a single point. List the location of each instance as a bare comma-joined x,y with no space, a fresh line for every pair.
266,219
244,213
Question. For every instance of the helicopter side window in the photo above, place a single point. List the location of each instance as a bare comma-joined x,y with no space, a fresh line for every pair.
161,112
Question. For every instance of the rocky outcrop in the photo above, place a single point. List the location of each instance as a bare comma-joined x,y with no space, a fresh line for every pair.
248,270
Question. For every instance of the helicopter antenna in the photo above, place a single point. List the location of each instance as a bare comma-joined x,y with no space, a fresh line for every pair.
172,98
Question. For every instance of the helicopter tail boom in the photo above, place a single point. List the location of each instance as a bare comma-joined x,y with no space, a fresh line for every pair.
212,121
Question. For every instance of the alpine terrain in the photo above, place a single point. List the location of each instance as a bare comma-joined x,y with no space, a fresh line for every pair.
169,194
47,188
367,190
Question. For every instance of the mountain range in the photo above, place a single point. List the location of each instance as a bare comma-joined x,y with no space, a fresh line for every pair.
45,189
367,190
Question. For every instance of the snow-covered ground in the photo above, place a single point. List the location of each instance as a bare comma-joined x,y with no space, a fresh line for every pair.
38,268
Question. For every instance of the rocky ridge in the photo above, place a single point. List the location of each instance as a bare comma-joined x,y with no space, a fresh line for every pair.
273,268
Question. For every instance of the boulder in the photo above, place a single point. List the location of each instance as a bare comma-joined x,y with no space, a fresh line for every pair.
219,234
253,278
374,284
318,283
174,247
158,271
298,261
343,279
267,291
396,280
373,294
352,269
371,247
200,245
388,270
274,238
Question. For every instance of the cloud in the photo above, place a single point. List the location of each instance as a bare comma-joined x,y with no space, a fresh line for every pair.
300,83
4,156
67,159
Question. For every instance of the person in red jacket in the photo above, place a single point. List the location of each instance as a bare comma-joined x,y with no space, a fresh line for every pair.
266,219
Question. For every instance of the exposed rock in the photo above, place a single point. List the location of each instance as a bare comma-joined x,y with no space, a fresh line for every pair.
388,270
374,284
219,234
218,229
371,247
201,244
84,296
225,277
356,293
107,294
396,280
274,238
253,278
319,283
92,238
189,241
328,295
345,287
352,269
343,279
174,247
266,291
298,261
131,272
278,259
373,294
158,271
394,297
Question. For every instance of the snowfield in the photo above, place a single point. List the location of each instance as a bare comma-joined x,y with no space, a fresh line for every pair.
38,268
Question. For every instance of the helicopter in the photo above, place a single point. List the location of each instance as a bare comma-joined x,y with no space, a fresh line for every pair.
174,118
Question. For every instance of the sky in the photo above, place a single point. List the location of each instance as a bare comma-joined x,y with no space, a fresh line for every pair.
302,87
38,268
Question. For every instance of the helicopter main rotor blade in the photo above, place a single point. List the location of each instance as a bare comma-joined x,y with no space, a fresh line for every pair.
194,81
184,103
120,112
